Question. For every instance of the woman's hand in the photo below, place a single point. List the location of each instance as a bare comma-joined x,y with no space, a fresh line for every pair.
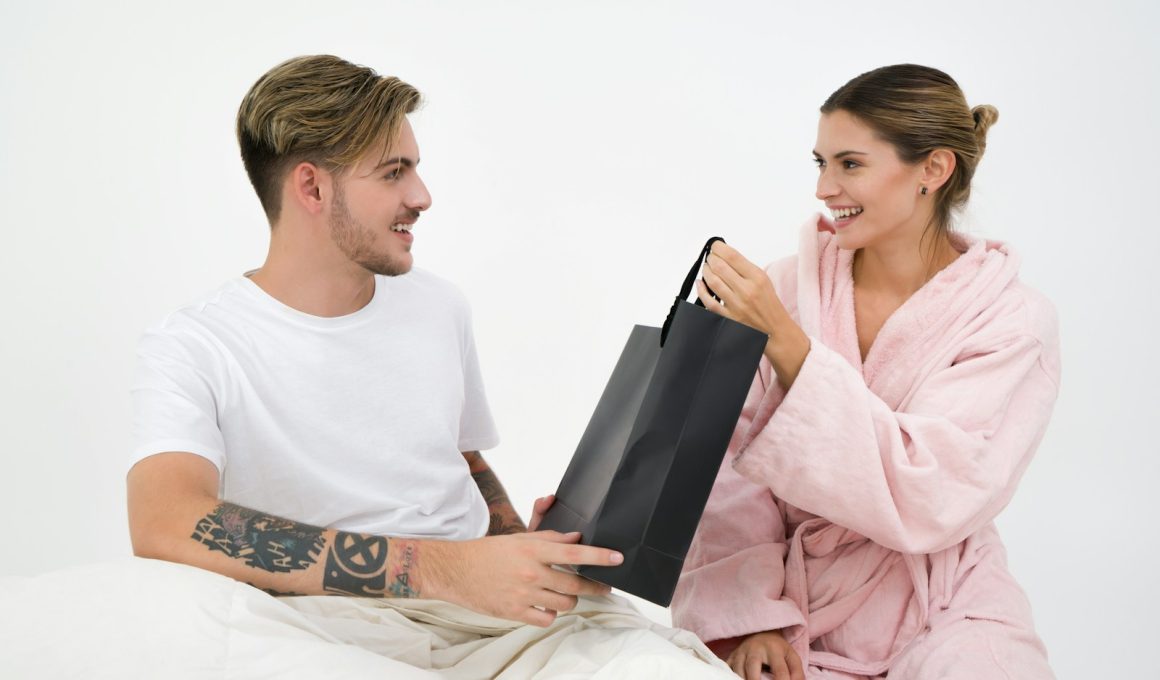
747,294
748,297
766,649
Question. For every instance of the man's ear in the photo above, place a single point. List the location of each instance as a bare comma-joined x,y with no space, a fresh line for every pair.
938,168
307,187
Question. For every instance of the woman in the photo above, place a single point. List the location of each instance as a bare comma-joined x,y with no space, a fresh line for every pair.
908,378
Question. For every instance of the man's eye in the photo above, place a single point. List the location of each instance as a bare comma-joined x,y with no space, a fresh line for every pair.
849,165
393,174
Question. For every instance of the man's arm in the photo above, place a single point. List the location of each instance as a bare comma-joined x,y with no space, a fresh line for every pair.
504,518
175,515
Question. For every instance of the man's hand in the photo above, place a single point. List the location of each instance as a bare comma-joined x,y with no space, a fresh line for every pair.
512,577
766,649
539,509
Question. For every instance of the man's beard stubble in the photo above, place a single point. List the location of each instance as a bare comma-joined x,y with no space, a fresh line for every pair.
357,241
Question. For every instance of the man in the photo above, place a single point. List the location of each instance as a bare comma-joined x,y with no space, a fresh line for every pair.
314,426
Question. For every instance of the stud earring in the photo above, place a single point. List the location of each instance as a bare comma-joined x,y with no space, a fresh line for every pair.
922,191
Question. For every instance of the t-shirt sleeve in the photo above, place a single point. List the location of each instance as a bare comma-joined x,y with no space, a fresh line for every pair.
477,430
173,396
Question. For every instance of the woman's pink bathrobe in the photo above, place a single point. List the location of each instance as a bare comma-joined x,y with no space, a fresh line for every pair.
856,511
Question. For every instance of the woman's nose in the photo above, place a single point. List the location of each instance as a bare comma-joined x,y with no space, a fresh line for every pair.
826,187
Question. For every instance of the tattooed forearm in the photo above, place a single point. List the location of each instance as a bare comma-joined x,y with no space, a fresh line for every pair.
504,518
403,583
493,492
356,565
261,541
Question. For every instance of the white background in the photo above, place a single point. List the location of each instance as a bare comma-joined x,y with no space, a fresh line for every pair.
578,155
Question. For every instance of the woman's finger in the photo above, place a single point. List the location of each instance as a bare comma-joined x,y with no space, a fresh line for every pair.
779,669
753,667
735,259
709,301
722,268
794,663
736,663
719,286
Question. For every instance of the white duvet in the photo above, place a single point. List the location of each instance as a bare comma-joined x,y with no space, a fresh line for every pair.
142,618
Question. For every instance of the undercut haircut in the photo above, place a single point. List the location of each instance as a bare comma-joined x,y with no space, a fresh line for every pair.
319,109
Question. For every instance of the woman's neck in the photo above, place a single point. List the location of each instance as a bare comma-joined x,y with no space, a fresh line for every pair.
900,269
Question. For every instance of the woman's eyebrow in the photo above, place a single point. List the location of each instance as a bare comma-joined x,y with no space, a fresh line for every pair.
843,154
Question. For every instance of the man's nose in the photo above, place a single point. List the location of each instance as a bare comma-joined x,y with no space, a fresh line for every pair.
418,198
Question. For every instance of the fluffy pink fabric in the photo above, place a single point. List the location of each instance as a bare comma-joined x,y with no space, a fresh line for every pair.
856,511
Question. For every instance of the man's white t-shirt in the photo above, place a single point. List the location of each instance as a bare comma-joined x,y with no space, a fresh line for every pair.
354,422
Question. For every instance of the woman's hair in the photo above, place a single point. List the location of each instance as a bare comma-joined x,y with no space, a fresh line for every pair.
919,109
320,109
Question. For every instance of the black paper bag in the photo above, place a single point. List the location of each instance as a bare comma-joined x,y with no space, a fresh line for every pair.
644,467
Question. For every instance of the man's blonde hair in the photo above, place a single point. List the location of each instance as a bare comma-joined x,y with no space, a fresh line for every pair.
320,109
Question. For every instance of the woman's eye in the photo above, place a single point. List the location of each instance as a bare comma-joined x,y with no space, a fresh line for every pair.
849,165
393,174
819,162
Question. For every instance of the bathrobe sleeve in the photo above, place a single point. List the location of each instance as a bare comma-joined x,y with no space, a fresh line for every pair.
734,572
927,475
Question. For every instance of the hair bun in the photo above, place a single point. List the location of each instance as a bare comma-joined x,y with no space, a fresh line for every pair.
985,116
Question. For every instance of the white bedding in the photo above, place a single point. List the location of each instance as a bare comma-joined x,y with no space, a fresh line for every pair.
142,618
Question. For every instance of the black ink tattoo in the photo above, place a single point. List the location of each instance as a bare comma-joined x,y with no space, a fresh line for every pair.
504,519
401,582
490,487
356,565
262,541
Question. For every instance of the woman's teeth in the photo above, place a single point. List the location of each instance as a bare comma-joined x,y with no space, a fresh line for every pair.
846,212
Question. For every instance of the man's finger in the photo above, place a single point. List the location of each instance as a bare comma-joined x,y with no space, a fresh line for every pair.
539,509
538,617
581,554
574,584
553,552
550,599
556,536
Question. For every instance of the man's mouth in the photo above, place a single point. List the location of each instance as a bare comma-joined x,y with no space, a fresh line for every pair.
403,227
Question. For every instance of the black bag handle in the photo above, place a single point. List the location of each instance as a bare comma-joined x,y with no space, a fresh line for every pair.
687,288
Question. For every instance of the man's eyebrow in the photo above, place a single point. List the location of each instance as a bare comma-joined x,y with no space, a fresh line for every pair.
843,154
405,162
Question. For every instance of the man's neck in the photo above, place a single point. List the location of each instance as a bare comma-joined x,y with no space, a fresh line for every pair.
319,286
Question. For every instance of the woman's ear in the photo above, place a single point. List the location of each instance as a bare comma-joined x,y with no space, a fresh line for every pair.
938,168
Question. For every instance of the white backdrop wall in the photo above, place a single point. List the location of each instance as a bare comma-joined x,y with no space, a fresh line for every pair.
578,155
